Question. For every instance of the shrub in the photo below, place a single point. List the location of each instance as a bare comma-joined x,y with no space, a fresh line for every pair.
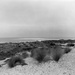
46,54
38,54
13,61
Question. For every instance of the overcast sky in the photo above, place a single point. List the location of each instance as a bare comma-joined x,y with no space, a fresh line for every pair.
37,18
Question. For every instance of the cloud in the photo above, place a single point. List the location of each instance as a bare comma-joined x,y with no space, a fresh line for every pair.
37,18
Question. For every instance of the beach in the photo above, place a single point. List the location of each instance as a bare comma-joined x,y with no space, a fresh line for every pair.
65,66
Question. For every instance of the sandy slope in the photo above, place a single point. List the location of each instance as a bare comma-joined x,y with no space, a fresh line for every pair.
66,66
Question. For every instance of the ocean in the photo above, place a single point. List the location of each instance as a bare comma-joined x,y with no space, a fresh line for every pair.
7,40
17,39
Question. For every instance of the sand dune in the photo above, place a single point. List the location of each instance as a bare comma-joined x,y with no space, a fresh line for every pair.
65,66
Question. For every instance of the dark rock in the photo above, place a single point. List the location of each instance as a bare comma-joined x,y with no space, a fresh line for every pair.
70,44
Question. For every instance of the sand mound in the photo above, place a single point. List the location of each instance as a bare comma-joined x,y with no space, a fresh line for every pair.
65,66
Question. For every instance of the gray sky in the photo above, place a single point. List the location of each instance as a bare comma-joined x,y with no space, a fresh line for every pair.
37,18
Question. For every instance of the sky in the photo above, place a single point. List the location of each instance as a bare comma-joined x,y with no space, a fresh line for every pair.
37,18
